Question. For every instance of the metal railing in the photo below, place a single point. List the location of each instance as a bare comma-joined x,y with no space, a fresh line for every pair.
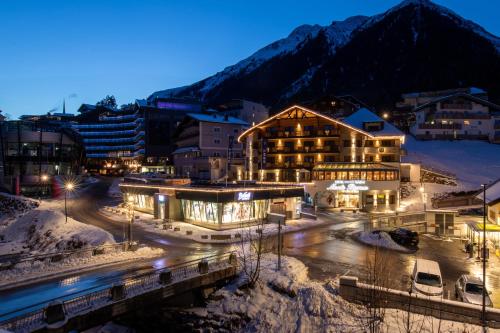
34,317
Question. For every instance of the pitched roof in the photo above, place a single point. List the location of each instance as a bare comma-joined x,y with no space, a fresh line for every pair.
319,114
364,115
460,94
216,118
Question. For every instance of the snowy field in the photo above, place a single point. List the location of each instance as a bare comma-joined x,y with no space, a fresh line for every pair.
288,301
473,162
381,239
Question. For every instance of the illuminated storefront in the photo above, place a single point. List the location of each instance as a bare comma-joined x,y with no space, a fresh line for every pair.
216,207
371,187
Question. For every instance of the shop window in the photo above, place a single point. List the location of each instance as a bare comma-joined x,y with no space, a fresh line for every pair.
380,199
376,175
369,175
369,199
392,199
362,175
382,175
328,175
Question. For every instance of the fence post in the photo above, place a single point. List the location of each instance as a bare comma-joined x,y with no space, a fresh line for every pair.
233,259
203,266
117,292
54,312
166,276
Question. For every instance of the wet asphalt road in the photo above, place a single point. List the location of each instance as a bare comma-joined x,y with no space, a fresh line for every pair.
327,252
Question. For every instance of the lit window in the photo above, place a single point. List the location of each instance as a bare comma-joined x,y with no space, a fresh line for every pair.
466,122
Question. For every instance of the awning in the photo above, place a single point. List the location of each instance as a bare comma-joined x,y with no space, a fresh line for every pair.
479,227
353,167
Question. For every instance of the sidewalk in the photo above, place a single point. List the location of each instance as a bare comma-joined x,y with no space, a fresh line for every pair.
203,235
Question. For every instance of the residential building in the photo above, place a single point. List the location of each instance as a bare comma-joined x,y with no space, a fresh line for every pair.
451,114
161,118
492,202
113,138
351,164
133,138
207,147
35,153
251,112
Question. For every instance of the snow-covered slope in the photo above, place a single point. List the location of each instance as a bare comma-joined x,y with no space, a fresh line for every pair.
473,162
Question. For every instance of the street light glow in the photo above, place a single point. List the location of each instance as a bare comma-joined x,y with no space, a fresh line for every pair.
422,189
69,186
45,178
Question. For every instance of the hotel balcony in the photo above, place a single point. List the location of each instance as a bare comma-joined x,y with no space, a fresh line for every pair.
303,149
301,134
440,126
289,165
461,115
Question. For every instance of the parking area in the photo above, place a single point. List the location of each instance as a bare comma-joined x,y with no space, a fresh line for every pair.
329,252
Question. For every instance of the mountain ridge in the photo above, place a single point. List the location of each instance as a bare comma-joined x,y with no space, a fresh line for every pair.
313,61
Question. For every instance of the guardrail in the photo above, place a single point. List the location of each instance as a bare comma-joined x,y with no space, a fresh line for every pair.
38,315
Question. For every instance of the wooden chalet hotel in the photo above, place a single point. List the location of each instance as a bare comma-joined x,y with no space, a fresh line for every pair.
349,164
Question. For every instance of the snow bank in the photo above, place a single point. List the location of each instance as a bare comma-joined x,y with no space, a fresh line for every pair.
316,307
381,239
13,205
473,162
45,230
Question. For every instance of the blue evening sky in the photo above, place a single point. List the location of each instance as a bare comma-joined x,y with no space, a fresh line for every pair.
82,50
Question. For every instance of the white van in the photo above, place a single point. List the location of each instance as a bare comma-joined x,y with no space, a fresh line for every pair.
426,278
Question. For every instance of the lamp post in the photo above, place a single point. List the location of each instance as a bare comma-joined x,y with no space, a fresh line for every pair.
130,201
484,258
68,187
43,180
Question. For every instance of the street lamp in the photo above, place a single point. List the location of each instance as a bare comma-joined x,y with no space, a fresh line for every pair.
43,180
484,257
68,187
130,201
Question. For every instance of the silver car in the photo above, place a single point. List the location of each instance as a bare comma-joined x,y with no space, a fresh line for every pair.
469,289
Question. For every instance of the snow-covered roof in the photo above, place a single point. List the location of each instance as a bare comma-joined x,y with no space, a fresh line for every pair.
363,115
459,94
141,102
215,118
186,150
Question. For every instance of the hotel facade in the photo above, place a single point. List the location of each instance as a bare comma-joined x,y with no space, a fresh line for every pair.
353,164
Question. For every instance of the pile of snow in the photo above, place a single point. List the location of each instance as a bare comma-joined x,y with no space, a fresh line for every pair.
473,162
287,301
114,190
380,239
45,230
14,205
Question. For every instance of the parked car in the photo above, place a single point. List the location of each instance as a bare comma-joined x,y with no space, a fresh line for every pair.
469,289
426,278
404,237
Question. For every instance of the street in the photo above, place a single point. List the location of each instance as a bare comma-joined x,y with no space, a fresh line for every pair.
327,252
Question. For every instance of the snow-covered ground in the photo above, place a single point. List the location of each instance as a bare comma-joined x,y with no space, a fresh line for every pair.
288,301
147,222
473,162
381,239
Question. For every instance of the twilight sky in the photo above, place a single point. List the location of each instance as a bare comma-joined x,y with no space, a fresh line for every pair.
82,50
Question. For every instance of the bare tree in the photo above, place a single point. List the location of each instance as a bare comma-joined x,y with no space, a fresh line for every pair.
380,267
252,248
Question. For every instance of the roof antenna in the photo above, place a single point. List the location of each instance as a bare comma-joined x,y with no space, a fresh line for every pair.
64,106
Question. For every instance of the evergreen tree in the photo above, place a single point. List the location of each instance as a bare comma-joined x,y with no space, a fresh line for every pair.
109,101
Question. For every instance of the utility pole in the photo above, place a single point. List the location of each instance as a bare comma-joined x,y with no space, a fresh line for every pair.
484,258
280,245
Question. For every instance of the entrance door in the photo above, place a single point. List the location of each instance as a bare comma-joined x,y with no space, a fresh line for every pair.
161,210
348,199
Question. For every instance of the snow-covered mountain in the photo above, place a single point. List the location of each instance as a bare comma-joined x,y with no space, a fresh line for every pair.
416,45
338,34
